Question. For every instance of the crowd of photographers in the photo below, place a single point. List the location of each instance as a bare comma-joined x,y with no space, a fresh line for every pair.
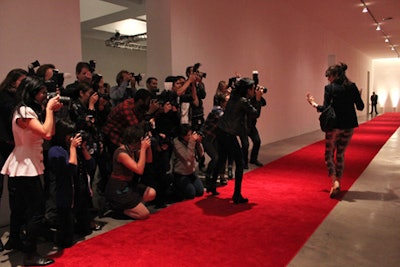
96,115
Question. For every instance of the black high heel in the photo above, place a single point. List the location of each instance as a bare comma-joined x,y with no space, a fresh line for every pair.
239,199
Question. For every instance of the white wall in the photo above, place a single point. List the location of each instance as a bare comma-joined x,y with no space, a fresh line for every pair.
386,84
45,30
290,51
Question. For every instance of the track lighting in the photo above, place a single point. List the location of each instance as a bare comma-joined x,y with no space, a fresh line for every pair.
378,26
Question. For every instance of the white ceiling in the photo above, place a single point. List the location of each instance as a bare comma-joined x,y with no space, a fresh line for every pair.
343,17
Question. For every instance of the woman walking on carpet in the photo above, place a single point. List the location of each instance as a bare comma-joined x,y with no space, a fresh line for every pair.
344,95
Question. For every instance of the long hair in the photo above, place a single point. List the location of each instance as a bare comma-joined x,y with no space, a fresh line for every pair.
11,78
26,94
64,127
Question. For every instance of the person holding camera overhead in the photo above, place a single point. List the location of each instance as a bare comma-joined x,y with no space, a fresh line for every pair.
343,95
231,125
33,121
125,88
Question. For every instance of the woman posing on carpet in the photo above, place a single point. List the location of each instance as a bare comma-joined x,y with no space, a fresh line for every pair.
231,125
343,94
124,190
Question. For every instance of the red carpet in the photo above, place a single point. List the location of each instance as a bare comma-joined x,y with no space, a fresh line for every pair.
288,200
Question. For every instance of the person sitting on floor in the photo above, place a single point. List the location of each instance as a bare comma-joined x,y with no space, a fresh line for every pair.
124,191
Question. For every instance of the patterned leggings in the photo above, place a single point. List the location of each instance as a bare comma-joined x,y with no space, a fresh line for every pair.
336,141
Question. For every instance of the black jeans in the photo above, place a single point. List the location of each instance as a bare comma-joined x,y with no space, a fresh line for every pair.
27,206
228,144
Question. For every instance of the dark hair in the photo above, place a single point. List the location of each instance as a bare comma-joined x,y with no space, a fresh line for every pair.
27,91
142,94
64,127
338,71
41,71
170,79
183,130
150,79
82,87
95,81
133,134
120,76
11,78
219,99
242,86
82,65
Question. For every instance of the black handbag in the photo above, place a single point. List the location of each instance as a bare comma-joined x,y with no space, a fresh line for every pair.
327,119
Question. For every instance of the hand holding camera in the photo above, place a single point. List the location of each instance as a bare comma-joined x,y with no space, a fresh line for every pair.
76,141
54,103
145,143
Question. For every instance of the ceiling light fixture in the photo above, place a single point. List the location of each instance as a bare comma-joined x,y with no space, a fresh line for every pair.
379,28
132,42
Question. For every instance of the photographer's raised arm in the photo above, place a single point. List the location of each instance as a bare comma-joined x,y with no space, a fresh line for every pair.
188,82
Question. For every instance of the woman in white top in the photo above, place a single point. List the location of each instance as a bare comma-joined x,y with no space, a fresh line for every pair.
31,123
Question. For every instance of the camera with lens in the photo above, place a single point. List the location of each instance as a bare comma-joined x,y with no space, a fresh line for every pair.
63,99
199,73
56,81
261,88
258,87
138,77
32,66
85,136
92,66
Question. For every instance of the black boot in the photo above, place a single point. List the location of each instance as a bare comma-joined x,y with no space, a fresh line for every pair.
211,186
239,199
34,259
1,246
230,173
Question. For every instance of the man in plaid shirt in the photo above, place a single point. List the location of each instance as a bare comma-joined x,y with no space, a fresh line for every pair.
127,113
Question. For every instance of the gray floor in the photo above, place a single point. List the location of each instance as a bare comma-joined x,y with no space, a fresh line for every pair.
362,230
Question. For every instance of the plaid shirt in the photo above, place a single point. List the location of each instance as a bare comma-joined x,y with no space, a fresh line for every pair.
120,117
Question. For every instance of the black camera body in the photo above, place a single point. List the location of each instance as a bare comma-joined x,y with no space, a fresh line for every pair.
56,81
258,87
263,89
199,73
32,66
85,136
138,77
92,66
63,99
